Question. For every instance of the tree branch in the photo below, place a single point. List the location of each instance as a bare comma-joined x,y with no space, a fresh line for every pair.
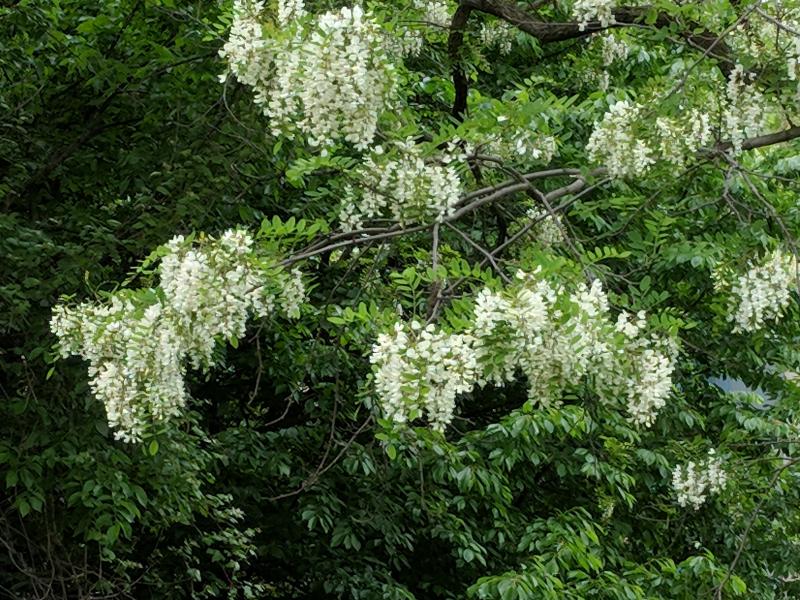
454,43
547,32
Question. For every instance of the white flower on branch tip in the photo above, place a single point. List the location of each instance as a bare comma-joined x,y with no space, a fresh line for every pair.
619,139
594,10
744,113
137,348
405,187
693,482
498,34
763,292
325,77
555,338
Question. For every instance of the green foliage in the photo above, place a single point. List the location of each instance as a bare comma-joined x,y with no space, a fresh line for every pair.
281,479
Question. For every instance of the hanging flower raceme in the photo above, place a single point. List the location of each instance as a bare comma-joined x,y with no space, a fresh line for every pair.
326,78
498,35
694,482
627,145
744,112
420,370
138,344
555,338
408,188
764,292
594,10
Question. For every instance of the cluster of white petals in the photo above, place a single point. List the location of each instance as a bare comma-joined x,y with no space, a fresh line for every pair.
594,10
522,144
433,17
137,346
678,139
548,229
625,145
325,77
694,482
404,187
793,63
614,144
434,12
555,338
135,359
211,290
420,370
248,52
612,49
290,10
498,34
744,113
770,37
763,292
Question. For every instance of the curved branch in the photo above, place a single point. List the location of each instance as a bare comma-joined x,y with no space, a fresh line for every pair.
768,140
547,32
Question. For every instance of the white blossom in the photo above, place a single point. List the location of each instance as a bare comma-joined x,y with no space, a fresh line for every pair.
408,187
549,228
613,143
694,482
290,10
137,346
613,49
763,292
619,140
498,34
422,370
744,113
594,10
434,12
327,77
555,338
523,144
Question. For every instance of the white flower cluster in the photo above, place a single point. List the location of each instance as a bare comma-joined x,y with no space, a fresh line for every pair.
770,38
327,78
694,482
421,370
210,291
615,143
521,144
677,140
498,34
549,230
247,51
409,39
290,10
434,12
764,292
137,346
594,10
555,338
409,187
744,113
135,359
613,49
793,63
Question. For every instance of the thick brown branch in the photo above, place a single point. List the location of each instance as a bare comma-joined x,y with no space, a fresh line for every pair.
547,32
769,139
